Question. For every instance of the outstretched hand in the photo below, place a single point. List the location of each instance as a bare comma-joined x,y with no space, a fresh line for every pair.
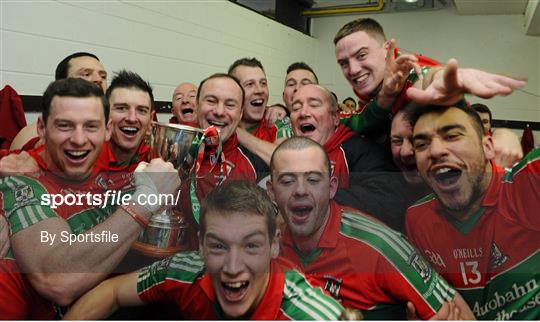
450,83
396,72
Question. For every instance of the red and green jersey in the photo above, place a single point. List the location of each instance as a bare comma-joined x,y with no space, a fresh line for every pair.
493,258
22,204
367,266
182,279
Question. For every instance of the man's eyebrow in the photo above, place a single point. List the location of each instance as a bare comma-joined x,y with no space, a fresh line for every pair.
450,127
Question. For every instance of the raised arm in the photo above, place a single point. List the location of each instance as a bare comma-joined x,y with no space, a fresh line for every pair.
447,85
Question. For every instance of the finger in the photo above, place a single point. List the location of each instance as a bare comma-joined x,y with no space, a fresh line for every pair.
406,59
390,51
450,76
419,96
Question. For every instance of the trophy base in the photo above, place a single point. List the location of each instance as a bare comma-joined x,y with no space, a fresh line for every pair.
156,252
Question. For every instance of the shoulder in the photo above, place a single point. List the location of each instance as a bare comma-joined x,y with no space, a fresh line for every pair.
302,301
421,208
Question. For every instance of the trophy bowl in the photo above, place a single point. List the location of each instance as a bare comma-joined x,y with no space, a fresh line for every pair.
166,232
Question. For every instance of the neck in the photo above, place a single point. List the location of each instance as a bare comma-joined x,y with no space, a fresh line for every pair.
246,125
120,154
309,243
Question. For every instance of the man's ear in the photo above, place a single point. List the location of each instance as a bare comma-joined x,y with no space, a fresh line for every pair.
333,186
274,248
487,145
40,127
109,130
270,189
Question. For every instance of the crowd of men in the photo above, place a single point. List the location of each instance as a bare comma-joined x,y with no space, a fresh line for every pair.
405,206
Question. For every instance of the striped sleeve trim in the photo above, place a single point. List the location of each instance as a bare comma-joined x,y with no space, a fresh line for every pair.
400,254
183,267
304,302
423,200
22,202
531,157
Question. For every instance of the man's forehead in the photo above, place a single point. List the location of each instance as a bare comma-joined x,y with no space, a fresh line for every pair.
300,74
130,93
85,62
437,119
64,106
254,224
299,161
221,86
185,88
243,71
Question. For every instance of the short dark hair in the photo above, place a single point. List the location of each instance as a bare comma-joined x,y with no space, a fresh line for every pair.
420,110
128,79
221,75
481,108
298,143
72,87
239,196
349,99
63,66
249,62
367,25
301,66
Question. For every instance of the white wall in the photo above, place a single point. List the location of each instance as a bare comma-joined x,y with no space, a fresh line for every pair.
493,43
166,42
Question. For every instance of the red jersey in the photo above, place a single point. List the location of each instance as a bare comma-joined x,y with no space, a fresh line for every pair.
108,162
237,164
336,154
492,258
263,132
182,279
368,266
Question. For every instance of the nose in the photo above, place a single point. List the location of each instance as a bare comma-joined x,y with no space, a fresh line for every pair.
354,66
219,110
437,148
407,150
185,99
131,115
234,263
300,188
79,137
96,79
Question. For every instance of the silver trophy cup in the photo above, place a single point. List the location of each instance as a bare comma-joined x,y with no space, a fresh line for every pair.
166,232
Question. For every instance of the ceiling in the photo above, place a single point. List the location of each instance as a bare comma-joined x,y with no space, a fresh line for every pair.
529,8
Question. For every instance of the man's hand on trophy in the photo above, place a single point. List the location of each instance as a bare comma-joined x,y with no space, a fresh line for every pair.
156,182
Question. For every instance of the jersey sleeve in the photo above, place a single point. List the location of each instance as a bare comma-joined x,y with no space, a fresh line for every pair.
24,202
524,191
409,277
170,279
303,301
284,129
367,118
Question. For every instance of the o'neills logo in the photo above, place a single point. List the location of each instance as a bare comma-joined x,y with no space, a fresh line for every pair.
499,300
333,285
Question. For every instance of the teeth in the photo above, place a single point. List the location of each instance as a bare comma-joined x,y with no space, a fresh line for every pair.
127,128
361,78
259,101
76,153
236,284
443,170
216,123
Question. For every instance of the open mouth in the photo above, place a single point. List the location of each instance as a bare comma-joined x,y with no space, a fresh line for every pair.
76,155
217,123
187,111
362,78
307,128
235,291
447,176
129,130
301,213
257,102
